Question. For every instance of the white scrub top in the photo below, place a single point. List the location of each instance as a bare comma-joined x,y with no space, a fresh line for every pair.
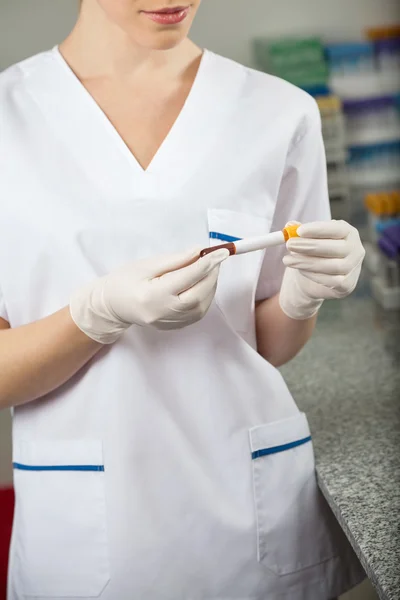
176,465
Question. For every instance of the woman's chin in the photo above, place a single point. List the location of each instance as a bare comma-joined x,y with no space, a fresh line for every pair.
165,39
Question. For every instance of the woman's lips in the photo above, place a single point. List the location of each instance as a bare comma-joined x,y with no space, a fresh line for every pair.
169,16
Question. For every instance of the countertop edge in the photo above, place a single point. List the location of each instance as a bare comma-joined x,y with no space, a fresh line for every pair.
342,522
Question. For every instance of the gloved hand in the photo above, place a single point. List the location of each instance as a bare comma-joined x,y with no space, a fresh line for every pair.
323,263
167,292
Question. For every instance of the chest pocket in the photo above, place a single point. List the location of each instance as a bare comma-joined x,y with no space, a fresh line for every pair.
239,274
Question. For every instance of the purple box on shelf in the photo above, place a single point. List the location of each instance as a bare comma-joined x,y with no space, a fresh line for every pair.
389,242
369,104
388,53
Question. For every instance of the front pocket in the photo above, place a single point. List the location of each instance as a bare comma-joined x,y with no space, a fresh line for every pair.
61,547
239,275
293,520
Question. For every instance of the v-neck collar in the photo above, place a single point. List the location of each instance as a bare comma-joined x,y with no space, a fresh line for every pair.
94,141
111,129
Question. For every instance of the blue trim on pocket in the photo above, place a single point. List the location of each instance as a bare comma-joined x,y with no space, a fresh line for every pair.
277,449
215,235
21,467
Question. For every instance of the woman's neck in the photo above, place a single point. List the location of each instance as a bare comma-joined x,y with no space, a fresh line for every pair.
98,48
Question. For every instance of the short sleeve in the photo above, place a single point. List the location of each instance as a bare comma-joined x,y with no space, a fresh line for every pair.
303,196
3,312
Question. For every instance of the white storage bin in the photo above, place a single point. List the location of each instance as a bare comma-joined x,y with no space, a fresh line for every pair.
387,297
372,121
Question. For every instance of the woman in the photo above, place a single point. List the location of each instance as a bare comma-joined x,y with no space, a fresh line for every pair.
157,454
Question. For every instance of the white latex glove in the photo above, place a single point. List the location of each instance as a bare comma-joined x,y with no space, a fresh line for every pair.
167,292
323,263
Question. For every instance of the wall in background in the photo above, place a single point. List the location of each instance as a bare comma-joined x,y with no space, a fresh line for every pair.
241,20
224,26
29,26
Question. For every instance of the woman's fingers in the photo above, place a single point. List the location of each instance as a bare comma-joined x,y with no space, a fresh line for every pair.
323,248
201,293
184,279
333,230
332,247
170,263
328,266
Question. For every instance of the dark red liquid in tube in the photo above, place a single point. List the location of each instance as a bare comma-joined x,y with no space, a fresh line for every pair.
231,247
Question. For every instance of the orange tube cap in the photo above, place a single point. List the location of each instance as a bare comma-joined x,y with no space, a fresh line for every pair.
291,231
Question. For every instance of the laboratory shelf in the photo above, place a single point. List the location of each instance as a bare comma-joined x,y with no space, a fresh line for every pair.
369,137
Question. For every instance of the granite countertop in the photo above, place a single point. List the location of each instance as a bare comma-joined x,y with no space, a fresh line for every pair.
347,380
